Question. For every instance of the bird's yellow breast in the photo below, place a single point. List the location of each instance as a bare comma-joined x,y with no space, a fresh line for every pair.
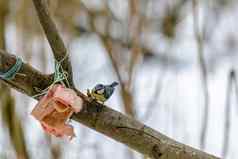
98,97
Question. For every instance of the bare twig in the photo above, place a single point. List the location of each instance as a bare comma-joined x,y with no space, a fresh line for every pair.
111,123
125,93
154,99
236,88
200,48
55,41
108,44
227,122
135,27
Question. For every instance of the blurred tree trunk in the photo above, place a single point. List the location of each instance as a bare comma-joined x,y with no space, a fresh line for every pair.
10,117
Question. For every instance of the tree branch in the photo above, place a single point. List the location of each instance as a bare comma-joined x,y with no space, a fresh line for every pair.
201,59
227,121
28,80
106,120
54,39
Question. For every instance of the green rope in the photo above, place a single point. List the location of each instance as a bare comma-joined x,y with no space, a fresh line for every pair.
59,76
11,73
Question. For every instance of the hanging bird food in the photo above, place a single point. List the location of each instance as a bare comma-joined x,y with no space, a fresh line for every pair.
55,108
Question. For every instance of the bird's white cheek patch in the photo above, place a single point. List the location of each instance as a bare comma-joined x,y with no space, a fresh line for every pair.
100,91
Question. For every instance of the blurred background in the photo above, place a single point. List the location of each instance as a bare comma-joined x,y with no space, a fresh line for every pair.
175,62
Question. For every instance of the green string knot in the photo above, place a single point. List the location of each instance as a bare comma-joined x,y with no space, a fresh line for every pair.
59,76
11,73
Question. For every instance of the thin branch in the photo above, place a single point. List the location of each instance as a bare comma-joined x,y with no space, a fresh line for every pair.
154,99
125,93
111,123
54,39
227,122
135,27
201,59
108,44
236,88
110,17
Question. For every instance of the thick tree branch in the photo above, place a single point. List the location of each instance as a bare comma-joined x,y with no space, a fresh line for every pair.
28,81
108,121
54,39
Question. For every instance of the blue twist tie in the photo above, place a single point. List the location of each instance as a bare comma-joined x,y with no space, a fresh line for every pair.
11,73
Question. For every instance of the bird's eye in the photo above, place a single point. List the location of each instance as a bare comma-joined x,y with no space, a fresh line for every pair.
101,91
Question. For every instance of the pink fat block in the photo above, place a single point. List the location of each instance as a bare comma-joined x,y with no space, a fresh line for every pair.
68,97
59,130
42,108
55,108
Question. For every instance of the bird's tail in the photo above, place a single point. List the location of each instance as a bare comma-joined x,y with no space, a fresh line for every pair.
114,84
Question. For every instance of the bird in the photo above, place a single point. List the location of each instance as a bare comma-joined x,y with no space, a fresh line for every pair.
101,92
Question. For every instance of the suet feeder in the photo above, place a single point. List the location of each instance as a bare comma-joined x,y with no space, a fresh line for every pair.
55,108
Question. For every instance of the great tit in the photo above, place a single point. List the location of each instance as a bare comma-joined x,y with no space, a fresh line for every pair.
101,92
